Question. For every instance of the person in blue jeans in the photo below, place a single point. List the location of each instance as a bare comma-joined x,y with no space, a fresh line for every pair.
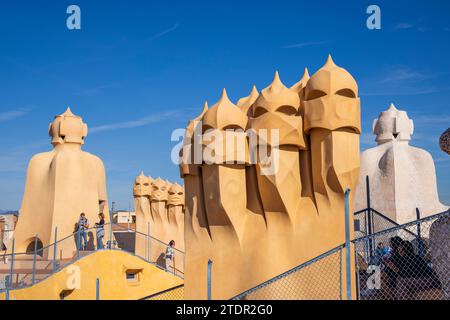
83,225
100,231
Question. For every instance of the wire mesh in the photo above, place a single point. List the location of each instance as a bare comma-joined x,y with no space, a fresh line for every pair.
320,278
403,264
176,293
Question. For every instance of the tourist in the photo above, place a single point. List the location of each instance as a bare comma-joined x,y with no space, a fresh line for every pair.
413,273
381,253
382,250
170,254
83,225
390,262
100,230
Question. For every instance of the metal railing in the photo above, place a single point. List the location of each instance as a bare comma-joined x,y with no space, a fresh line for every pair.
406,263
320,278
175,293
24,269
154,250
409,267
326,277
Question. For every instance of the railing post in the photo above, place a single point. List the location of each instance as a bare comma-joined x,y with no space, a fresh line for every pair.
78,242
340,274
11,271
208,284
369,218
347,245
97,289
148,241
54,249
358,280
419,234
33,276
110,226
7,293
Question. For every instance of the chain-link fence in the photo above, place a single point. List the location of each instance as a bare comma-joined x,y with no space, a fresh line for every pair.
370,221
408,262
322,278
175,293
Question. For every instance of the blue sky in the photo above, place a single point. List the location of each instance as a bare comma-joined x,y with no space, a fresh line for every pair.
137,70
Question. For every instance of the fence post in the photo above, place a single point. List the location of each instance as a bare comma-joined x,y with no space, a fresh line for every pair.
97,289
347,245
110,226
33,276
11,271
419,234
209,279
7,294
78,242
369,218
340,274
358,280
54,249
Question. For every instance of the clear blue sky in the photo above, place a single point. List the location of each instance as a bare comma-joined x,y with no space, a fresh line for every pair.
139,69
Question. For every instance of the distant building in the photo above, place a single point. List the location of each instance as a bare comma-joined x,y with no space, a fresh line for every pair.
124,229
8,222
123,216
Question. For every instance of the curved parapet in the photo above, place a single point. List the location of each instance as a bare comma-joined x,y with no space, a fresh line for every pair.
121,276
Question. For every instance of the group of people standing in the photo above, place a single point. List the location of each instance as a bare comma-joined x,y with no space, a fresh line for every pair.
406,272
83,227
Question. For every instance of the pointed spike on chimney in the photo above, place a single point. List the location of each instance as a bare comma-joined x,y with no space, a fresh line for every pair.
305,74
392,107
205,107
224,97
68,112
330,61
224,94
276,77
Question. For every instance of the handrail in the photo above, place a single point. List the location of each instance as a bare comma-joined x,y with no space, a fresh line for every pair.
403,226
360,211
162,292
290,271
79,258
92,229
393,222
65,262
384,217
146,235
340,247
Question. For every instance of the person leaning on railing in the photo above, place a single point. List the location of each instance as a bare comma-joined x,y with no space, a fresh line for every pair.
100,226
83,225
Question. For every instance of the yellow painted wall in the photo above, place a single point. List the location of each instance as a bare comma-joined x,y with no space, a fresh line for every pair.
110,267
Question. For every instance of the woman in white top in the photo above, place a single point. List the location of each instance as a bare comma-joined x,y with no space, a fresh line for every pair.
170,254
